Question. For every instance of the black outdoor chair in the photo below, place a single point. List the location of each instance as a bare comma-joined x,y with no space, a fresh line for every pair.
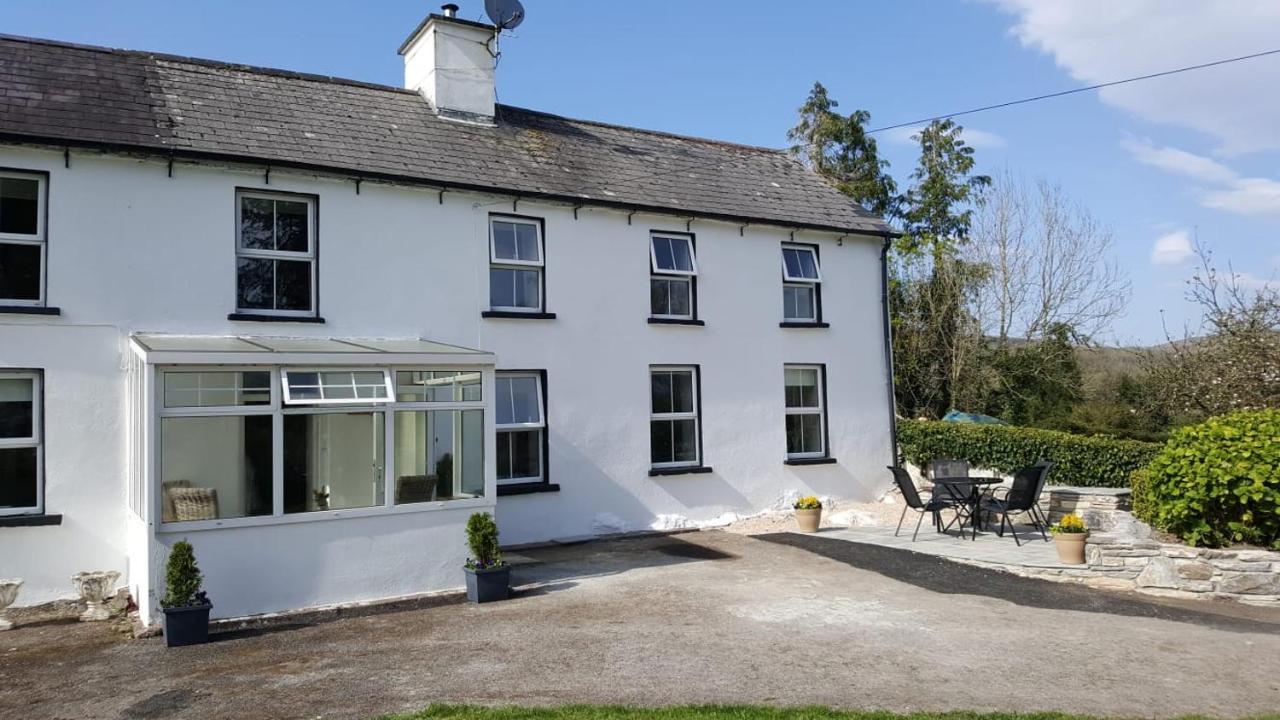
912,498
948,494
1022,498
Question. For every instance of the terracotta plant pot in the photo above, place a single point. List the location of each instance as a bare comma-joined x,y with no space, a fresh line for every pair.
1070,547
808,520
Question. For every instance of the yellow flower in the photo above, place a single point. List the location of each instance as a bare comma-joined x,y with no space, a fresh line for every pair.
1070,524
808,502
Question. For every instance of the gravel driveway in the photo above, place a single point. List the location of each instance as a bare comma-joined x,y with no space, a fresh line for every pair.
703,617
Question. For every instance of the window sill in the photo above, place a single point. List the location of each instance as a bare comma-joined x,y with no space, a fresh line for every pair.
804,325
29,310
325,515
811,461
513,315
675,321
691,470
527,488
29,520
249,317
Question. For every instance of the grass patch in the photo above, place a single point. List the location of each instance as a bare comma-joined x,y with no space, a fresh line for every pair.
701,712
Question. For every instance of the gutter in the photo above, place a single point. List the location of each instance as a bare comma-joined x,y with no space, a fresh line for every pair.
888,350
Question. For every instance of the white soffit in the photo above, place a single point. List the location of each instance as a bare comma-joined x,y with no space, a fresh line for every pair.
158,349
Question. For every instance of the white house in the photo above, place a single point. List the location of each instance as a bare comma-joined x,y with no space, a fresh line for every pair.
312,324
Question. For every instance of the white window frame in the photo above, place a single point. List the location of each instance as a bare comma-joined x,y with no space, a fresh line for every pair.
538,265
37,240
388,383
693,415
687,277
789,281
820,391
540,425
35,440
278,410
310,256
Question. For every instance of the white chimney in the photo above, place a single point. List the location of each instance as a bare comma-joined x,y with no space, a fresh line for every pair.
450,62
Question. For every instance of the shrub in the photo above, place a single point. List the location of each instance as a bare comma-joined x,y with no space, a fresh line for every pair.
1218,482
1080,461
482,539
808,502
182,578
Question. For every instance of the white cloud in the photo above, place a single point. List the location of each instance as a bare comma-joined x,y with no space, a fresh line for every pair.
1172,249
1179,162
979,139
1230,192
1098,41
1253,282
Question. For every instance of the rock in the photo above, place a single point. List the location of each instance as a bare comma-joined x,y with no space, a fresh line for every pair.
1198,586
1237,566
1250,584
1159,573
1195,570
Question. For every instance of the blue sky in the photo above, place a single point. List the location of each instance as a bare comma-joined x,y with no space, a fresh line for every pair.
1194,154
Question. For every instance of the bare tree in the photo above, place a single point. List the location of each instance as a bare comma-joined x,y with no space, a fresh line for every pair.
1232,362
1050,264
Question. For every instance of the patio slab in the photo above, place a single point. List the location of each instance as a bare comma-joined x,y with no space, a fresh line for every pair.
702,617
1034,553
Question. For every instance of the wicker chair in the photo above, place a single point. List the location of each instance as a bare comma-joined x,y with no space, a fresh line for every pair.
192,503
167,512
415,489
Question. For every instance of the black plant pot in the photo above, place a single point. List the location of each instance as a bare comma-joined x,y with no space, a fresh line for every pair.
186,625
488,585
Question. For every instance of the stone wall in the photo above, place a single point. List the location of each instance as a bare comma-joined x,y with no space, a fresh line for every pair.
1175,570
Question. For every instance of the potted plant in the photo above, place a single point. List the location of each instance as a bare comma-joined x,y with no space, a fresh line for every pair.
488,576
186,606
808,513
1069,535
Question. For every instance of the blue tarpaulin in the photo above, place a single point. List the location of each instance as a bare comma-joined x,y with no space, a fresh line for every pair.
962,417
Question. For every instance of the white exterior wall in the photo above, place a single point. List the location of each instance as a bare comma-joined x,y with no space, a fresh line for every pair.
132,250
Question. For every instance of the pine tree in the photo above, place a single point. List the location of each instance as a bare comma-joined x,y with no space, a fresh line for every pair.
838,148
182,577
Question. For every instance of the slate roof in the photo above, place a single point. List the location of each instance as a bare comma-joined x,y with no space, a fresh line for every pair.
64,94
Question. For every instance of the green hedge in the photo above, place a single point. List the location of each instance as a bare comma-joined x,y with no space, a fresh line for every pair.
1216,483
1080,460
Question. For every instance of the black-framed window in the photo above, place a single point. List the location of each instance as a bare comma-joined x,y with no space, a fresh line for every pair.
675,417
673,281
276,254
520,418
517,282
801,284
805,389
23,246
21,443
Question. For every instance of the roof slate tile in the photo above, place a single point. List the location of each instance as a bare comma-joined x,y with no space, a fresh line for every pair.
51,92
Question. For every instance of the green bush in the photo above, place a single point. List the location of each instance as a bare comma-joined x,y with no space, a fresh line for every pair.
1080,461
1218,482
482,538
182,578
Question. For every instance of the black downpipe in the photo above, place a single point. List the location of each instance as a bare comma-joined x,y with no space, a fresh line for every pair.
888,350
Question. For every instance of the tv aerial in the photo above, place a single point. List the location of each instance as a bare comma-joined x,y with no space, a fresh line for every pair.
506,14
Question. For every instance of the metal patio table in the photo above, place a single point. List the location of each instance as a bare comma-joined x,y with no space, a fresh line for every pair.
972,499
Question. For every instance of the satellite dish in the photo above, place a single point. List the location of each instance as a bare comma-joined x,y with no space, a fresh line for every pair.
506,14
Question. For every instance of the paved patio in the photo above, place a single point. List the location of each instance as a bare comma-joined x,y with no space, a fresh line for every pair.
986,548
702,617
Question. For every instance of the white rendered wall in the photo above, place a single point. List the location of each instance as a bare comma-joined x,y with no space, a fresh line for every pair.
131,250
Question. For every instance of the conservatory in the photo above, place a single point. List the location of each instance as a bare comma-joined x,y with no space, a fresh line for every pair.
306,471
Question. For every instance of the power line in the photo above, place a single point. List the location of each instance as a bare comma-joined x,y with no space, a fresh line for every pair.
1077,90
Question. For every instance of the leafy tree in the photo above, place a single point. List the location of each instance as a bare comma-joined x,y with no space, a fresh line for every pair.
936,336
938,209
838,148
